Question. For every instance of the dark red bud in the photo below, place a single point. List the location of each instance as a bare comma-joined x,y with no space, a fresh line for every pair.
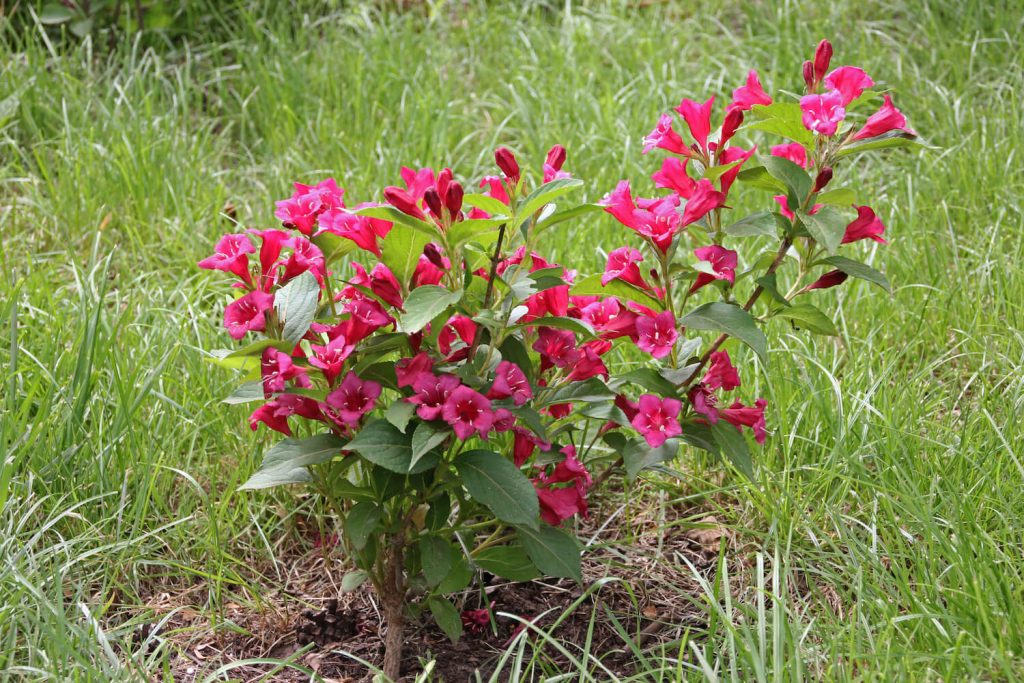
809,76
507,163
733,120
832,278
433,201
403,201
433,254
822,57
453,199
823,178
556,157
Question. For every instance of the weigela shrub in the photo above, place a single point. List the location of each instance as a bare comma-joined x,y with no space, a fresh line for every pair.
455,387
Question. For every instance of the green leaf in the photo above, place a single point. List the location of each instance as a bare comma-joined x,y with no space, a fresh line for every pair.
436,557
768,283
781,118
508,561
761,223
425,303
296,304
842,196
591,286
604,411
592,389
798,183
486,202
399,413
401,250
426,437
333,246
383,444
246,393
890,140
553,551
390,213
360,523
498,484
716,172
859,270
734,446
544,194
513,350
758,176
287,461
571,324
562,216
698,435
638,455
806,316
458,578
353,580
827,227
447,617
482,230
731,319
532,419
55,13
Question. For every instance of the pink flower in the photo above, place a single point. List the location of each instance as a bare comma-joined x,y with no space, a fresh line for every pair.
865,226
246,313
705,198
417,182
619,203
495,188
404,202
382,282
468,412
231,255
730,124
783,203
362,230
277,368
271,244
556,347
506,161
553,164
504,420
459,328
723,262
703,401
832,278
301,210
658,419
559,503
884,120
745,97
850,81
589,365
673,176
352,399
610,318
305,256
524,443
510,382
822,57
731,155
665,137
794,151
275,412
658,220
698,118
431,393
331,358
622,265
740,416
475,620
823,113
721,374
656,334
408,370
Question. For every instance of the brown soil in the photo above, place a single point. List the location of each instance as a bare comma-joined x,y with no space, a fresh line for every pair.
641,558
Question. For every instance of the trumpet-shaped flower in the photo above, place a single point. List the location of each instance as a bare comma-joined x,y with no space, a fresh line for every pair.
657,419
822,114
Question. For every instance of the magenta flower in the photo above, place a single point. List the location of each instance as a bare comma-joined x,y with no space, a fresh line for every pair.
277,368
331,358
556,347
305,256
504,420
352,399
271,244
741,416
430,393
231,255
417,182
865,226
610,318
658,419
783,203
665,137
619,203
658,220
656,334
698,118
362,230
794,151
729,156
510,382
705,198
704,401
495,188
730,124
823,113
275,412
746,96
468,412
408,370
384,284
723,264
622,265
589,365
506,161
524,443
887,118
246,314
300,211
459,328
822,58
404,202
553,164
850,81
673,176
559,503
721,374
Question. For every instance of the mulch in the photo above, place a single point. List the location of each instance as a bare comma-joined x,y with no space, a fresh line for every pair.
639,582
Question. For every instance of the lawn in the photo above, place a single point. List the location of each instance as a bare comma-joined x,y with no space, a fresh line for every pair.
883,535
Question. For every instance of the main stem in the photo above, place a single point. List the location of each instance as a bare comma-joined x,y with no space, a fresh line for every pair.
392,596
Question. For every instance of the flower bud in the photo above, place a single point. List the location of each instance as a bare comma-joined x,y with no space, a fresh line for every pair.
453,198
433,254
507,163
556,157
832,278
443,179
433,201
809,76
822,57
823,178
403,201
733,120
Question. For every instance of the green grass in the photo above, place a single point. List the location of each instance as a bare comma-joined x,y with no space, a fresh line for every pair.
895,471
